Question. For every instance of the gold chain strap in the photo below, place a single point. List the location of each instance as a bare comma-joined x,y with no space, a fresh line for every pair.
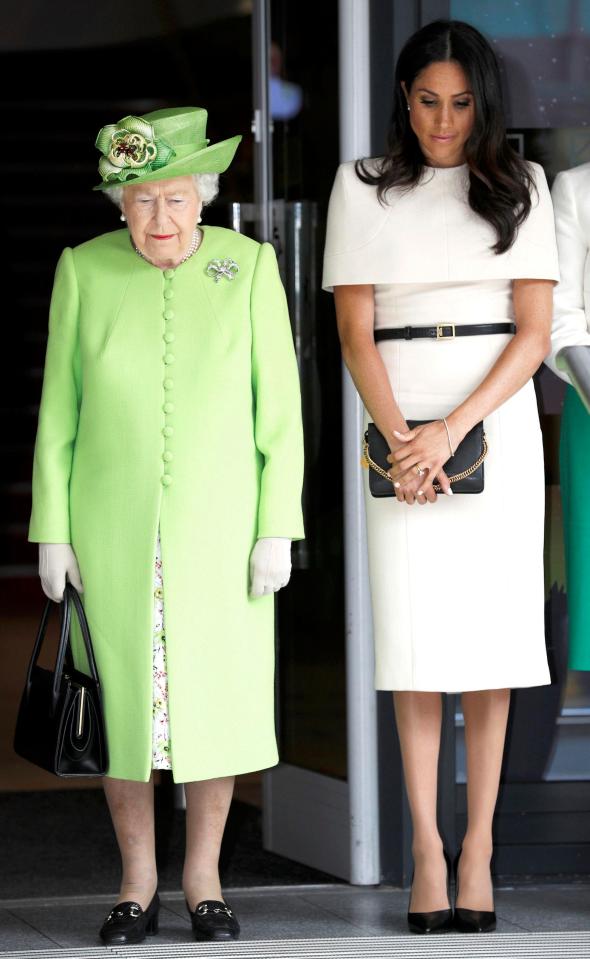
436,486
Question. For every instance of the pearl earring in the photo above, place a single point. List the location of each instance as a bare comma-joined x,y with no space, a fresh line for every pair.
123,218
408,106
199,220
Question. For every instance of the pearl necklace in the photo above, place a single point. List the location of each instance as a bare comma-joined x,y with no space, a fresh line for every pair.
195,244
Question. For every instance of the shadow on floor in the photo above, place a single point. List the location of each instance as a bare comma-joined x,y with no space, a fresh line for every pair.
62,844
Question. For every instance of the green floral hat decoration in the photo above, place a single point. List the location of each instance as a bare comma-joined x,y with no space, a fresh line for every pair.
159,146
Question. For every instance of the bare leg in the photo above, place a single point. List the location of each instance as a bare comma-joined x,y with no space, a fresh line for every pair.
486,716
131,805
207,807
419,716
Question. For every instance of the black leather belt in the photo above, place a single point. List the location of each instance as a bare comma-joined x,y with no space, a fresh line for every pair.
443,331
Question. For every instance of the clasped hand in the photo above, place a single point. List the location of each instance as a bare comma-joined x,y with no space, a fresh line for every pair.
418,463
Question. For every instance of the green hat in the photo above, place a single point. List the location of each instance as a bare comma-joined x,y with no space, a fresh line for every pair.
159,146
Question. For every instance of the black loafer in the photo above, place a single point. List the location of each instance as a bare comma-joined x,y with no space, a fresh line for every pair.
127,922
214,921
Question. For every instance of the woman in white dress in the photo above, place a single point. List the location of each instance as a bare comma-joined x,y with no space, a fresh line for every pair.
449,232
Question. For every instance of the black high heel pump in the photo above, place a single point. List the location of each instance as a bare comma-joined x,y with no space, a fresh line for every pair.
438,921
471,920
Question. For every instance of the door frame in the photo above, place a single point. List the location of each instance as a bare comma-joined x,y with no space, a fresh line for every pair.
324,822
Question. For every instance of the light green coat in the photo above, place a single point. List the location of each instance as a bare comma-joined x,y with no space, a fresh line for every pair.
171,399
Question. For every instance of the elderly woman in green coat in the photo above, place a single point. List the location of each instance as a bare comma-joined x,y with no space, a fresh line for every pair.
167,485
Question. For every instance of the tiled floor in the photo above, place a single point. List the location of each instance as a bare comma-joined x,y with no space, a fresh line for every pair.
275,913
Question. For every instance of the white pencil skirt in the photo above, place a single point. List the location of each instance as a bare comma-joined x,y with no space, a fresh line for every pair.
457,587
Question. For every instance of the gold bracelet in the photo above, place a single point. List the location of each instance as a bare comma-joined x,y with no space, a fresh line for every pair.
443,420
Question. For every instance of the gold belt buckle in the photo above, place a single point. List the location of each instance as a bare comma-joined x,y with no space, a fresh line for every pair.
440,327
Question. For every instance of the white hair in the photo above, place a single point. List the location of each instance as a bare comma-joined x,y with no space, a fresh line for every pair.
207,186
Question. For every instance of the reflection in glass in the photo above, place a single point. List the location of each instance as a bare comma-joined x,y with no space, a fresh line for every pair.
544,48
304,106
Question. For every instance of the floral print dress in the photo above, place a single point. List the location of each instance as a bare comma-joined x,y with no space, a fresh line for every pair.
161,754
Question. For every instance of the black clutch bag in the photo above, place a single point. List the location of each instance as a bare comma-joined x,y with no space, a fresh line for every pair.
60,724
464,469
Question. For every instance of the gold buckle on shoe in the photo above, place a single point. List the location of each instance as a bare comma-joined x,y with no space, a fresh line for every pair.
441,327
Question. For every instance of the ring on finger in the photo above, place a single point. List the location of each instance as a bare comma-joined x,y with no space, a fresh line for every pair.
419,470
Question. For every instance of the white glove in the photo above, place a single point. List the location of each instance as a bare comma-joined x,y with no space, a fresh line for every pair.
270,565
56,561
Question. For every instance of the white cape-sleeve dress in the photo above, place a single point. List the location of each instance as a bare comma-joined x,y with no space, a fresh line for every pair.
457,587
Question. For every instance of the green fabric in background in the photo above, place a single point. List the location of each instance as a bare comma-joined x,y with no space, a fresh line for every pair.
575,469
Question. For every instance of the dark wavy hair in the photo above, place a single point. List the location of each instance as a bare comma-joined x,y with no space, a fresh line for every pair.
500,182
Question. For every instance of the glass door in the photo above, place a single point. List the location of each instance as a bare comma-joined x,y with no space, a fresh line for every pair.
296,152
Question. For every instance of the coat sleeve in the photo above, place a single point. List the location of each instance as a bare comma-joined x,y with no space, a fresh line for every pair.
58,413
275,380
570,326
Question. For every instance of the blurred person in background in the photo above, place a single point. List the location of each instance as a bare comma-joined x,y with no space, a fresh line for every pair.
571,327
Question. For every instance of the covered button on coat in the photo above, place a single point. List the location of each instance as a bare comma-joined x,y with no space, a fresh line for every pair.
171,399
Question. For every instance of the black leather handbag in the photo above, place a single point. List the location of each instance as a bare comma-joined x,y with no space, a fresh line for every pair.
464,469
60,724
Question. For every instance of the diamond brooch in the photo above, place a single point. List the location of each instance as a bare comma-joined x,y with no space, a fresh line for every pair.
218,268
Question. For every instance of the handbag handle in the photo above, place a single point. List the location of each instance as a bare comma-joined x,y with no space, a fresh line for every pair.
71,598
